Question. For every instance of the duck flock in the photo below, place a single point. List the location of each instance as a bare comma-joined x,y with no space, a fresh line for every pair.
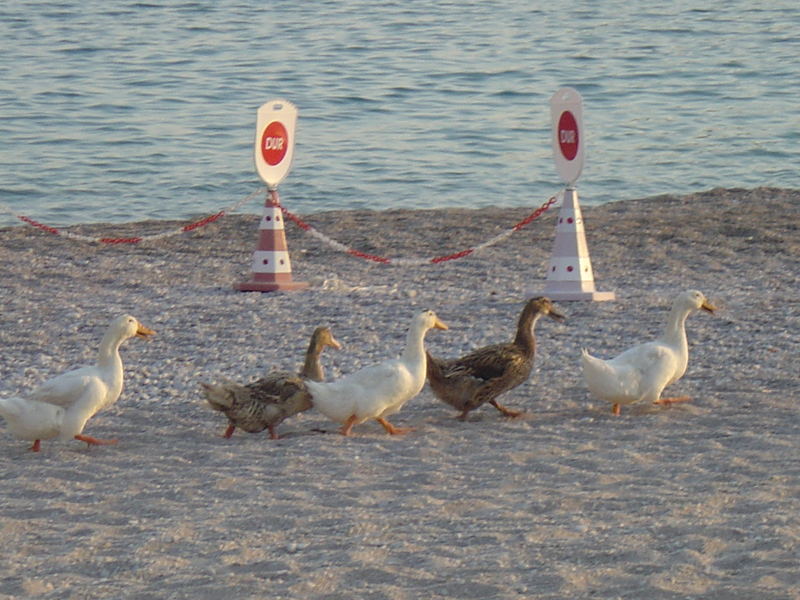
61,407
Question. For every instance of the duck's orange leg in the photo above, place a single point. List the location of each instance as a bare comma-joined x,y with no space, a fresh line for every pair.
94,441
668,401
616,409
229,431
392,429
37,445
348,425
272,433
506,411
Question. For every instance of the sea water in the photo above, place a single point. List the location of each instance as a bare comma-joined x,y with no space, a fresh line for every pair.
126,111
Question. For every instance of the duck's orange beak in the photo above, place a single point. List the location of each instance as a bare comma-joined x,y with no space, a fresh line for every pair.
144,332
439,325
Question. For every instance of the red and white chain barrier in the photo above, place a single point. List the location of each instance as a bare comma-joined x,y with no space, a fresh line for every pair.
132,240
420,261
301,224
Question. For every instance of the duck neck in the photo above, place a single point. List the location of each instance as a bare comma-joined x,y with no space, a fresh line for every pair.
525,338
415,346
675,331
312,368
108,354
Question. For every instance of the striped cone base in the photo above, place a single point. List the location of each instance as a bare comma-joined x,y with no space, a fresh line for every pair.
271,268
569,273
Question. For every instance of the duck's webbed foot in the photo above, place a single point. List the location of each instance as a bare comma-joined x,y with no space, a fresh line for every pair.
669,401
392,429
95,441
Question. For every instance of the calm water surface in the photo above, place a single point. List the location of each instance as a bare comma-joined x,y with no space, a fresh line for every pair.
114,111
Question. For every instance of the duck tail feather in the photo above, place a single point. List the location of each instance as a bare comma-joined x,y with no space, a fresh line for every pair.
11,407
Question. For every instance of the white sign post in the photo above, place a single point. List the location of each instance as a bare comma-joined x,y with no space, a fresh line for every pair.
274,150
276,121
569,274
566,115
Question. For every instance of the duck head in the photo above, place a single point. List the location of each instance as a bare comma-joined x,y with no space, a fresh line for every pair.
427,319
694,300
544,306
127,326
322,337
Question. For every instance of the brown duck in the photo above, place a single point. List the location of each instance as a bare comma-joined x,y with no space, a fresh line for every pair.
265,403
482,375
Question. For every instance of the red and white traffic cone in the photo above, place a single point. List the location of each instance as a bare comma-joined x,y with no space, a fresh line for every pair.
569,274
272,270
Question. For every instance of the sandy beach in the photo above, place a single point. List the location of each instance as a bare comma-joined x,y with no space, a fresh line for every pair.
698,500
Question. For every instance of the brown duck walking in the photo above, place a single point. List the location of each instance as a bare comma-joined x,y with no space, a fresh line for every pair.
482,375
265,403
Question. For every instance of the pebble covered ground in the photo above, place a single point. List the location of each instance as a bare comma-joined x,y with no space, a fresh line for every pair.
696,500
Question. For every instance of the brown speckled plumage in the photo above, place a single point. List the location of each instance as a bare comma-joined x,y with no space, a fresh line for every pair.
482,375
265,403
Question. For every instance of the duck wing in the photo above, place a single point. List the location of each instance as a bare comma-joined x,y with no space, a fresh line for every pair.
275,387
656,365
607,380
480,376
365,393
639,373
287,392
67,388
493,362
255,406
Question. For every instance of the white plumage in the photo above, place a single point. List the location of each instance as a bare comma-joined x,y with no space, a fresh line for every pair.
61,406
642,372
381,390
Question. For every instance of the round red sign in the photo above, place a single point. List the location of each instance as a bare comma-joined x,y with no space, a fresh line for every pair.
568,139
274,143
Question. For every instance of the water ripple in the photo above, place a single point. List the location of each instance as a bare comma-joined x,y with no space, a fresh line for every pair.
116,113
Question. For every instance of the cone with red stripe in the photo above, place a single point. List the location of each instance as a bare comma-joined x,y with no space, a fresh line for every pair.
271,267
569,273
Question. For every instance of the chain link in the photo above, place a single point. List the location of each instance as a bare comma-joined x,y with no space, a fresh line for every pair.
132,240
413,262
301,224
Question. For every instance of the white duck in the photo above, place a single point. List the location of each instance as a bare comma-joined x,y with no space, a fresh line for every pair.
642,372
377,391
61,406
